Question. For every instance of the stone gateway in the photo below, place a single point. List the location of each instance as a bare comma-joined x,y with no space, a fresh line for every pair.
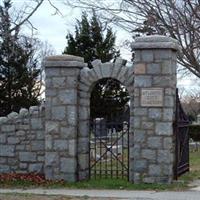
54,139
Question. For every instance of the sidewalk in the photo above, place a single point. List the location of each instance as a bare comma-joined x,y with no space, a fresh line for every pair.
116,194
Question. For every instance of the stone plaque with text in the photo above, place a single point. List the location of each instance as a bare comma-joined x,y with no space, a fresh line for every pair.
152,97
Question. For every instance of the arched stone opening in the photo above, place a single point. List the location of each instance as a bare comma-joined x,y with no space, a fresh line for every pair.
88,78
109,130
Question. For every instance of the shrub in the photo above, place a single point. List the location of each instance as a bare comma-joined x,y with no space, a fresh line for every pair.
194,132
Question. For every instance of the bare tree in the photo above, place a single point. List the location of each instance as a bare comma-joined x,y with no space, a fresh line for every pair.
179,19
191,104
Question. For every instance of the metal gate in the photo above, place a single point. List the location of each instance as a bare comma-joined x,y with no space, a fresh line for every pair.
109,152
181,130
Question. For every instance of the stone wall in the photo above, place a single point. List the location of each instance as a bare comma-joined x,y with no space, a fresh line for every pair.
22,141
151,83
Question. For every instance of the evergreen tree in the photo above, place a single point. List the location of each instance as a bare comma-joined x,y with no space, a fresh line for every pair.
18,68
91,42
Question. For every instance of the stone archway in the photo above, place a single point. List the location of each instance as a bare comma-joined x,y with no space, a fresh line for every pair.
88,78
152,88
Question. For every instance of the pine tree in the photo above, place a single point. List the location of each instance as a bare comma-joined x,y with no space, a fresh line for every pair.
18,68
91,42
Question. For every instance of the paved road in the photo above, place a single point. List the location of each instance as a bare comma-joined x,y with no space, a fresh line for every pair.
115,194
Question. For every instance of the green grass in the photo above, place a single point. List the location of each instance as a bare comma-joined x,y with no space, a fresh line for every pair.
96,184
194,172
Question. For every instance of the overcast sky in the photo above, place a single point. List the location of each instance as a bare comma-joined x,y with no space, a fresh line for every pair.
54,28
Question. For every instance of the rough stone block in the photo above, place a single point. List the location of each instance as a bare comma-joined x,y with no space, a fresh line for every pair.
35,167
13,140
140,68
40,135
51,72
163,81
139,136
143,81
51,127
165,156
84,128
68,96
116,70
71,82
106,69
12,161
147,55
84,113
48,173
164,128
72,115
147,125
167,67
149,154
72,148
36,123
27,156
167,170
51,158
23,112
68,132
168,114
140,111
58,82
2,138
37,145
140,165
69,71
169,101
8,128
13,115
4,169
48,142
83,160
136,121
154,142
58,112
3,120
163,54
23,166
153,68
154,170
155,113
60,145
83,145
167,143
68,165
7,150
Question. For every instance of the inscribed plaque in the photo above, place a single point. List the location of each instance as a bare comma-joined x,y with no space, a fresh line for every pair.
152,97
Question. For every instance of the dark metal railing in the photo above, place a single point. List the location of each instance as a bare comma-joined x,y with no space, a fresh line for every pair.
181,131
109,152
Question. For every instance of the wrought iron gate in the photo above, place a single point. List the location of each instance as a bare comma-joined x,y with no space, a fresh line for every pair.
109,152
181,130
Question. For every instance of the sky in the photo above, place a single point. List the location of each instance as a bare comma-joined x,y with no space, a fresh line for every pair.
54,28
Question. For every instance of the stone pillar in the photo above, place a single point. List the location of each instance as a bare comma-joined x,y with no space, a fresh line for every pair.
62,73
153,155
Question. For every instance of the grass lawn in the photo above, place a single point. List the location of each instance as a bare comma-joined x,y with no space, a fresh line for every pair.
194,173
116,183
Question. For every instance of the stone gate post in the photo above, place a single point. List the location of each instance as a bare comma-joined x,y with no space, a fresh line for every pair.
62,74
153,155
